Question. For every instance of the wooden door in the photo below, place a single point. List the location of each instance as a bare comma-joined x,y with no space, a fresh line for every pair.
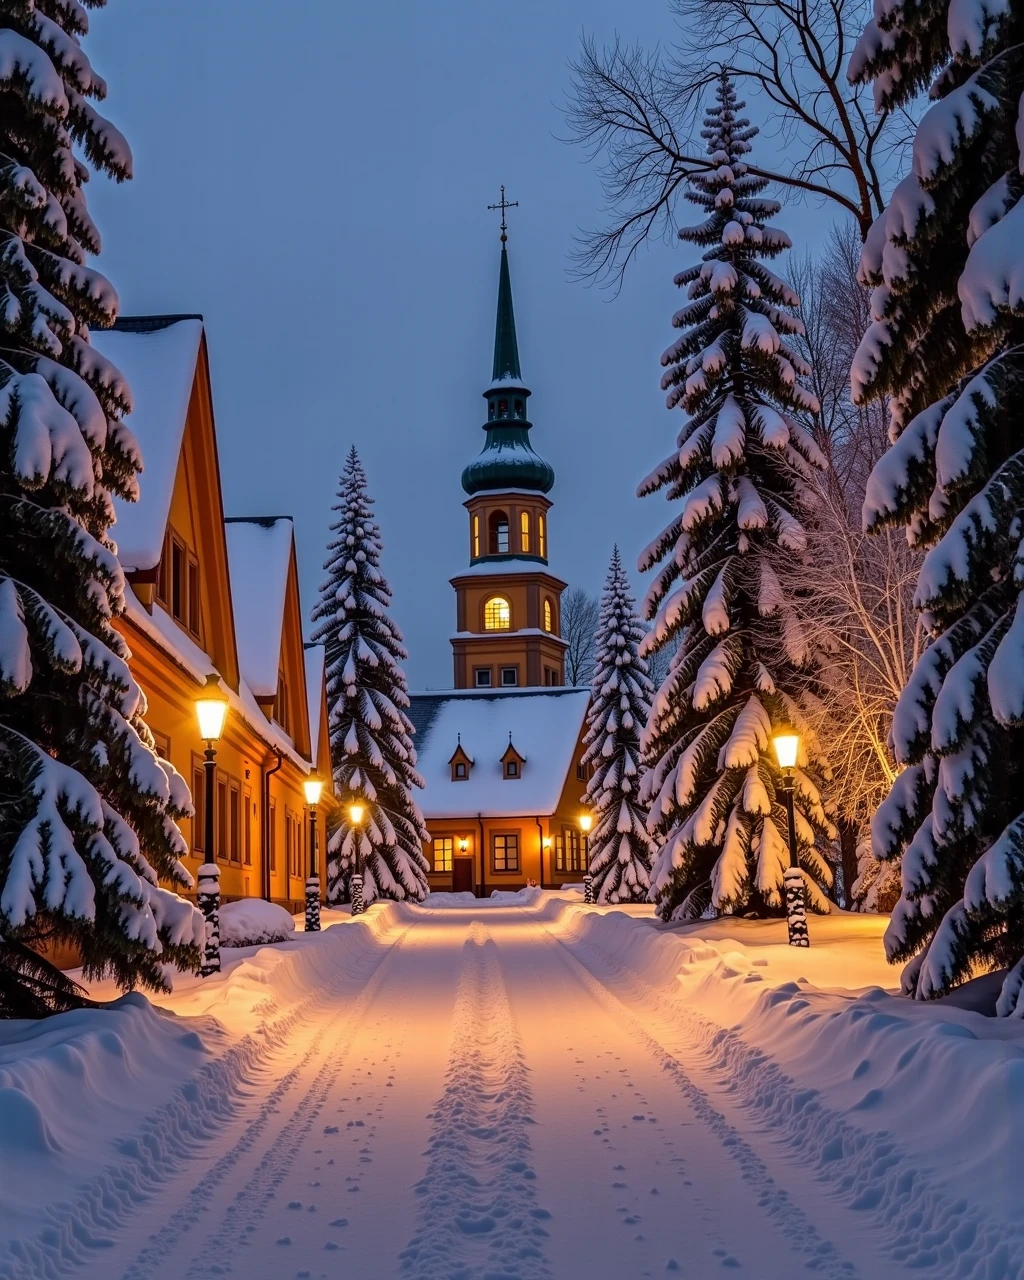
462,876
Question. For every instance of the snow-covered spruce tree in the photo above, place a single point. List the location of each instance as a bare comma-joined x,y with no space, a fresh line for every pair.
88,810
946,343
741,472
371,736
620,847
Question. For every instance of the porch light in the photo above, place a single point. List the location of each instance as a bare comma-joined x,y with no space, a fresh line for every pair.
211,709
463,844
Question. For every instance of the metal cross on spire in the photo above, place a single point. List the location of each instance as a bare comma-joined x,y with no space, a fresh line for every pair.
504,204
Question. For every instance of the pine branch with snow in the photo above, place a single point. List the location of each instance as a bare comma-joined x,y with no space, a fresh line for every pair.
620,847
367,698
89,810
945,262
741,475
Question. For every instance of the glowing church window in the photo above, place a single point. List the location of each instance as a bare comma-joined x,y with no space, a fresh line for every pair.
541,541
497,614
476,536
549,623
524,533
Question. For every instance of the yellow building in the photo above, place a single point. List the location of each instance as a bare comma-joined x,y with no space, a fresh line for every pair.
208,595
501,753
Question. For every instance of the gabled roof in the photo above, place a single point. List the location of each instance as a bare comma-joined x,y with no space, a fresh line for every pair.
545,725
259,556
157,355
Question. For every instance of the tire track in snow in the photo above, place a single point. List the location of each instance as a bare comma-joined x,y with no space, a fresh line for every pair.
82,1232
803,1237
917,1225
219,1251
479,1218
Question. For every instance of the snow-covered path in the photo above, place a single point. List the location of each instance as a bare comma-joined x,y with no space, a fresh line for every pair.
487,1093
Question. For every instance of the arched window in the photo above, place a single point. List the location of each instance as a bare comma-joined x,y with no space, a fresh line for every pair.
519,408
524,533
541,539
497,614
476,536
498,534
549,616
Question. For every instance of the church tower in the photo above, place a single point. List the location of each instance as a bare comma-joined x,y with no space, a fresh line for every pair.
508,604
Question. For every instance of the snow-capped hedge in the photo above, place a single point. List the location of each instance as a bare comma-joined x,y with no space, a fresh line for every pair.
249,922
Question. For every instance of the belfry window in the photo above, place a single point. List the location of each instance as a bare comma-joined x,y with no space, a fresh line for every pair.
524,533
497,614
519,408
498,540
502,408
549,621
541,540
476,536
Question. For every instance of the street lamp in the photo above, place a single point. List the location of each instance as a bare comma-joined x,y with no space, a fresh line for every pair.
211,712
586,822
312,786
786,742
355,817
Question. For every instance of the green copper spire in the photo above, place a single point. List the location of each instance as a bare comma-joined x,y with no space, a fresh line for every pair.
507,460
506,349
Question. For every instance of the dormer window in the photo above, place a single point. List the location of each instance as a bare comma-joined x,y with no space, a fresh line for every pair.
512,762
461,763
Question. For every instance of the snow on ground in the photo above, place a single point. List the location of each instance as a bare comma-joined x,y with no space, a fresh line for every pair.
518,1087
250,921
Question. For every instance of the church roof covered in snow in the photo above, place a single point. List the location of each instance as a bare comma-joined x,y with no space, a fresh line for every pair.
259,553
544,725
157,354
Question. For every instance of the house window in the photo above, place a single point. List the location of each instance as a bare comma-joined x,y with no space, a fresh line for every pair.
541,540
549,618
568,851
235,823
178,563
482,677
582,772
444,848
498,540
272,836
497,614
199,805
509,676
505,851
178,583
193,595
511,768
524,533
281,706
222,819
249,811
476,536
460,770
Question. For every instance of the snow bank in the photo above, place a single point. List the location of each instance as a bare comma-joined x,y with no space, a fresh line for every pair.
251,922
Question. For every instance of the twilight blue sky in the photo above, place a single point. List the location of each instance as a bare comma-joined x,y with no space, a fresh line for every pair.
313,179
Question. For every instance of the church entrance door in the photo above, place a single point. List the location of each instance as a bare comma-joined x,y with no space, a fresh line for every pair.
462,876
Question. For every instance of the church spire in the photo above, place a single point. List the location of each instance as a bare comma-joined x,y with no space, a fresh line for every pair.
507,459
506,349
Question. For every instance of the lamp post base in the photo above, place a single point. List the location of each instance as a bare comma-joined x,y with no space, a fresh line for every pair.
208,900
796,908
357,895
313,904
588,889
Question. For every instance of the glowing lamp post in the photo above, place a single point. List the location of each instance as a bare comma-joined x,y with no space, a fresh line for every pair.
355,818
312,786
211,712
787,747
586,822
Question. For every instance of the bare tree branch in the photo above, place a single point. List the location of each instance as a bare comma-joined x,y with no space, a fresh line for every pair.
580,612
637,114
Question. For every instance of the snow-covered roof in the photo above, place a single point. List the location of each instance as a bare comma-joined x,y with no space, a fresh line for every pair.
159,361
165,632
259,552
315,656
508,382
506,564
545,726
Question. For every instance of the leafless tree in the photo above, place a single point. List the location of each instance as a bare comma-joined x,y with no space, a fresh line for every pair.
638,113
854,590
580,612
